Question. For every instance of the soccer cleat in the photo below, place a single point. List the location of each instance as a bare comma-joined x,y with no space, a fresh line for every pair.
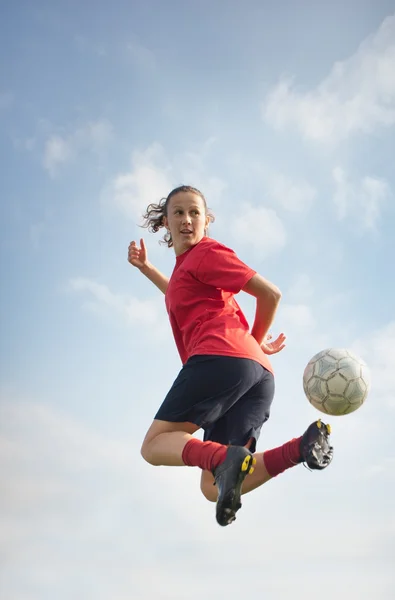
229,477
315,449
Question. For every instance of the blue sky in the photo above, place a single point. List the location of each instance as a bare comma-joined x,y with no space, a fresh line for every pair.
284,116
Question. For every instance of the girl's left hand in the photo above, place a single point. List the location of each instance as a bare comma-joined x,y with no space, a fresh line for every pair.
273,347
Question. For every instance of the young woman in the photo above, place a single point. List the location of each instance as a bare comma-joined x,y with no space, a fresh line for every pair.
226,383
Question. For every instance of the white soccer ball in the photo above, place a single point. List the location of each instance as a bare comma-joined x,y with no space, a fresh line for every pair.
336,381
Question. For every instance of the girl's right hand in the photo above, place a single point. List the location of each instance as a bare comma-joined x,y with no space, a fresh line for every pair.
138,256
273,347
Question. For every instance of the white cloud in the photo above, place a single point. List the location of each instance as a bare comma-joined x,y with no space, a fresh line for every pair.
102,301
193,167
359,202
294,196
378,352
259,228
301,289
153,175
357,96
72,496
148,181
61,149
79,505
56,152
298,319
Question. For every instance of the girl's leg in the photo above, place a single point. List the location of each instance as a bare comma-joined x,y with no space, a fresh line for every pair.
164,442
312,448
173,445
253,481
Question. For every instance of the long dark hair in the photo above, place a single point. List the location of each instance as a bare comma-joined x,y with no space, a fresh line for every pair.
153,216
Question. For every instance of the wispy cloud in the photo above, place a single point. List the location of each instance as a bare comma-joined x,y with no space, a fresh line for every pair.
377,350
301,288
61,149
298,319
362,200
57,151
259,228
357,96
293,195
100,300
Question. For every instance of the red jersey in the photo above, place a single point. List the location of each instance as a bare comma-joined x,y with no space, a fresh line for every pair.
204,315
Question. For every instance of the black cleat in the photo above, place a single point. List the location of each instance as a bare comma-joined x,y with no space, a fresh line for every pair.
229,477
315,449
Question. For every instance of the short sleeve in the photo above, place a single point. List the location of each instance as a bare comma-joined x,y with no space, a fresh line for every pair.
221,268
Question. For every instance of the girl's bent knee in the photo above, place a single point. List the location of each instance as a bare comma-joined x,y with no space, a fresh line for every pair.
148,455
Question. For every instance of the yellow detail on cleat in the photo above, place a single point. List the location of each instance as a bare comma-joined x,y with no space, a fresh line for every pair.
246,463
254,461
319,423
328,428
250,472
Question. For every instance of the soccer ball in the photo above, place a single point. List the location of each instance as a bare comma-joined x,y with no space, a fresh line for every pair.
336,381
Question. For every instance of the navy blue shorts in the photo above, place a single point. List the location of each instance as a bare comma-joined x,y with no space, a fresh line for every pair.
228,397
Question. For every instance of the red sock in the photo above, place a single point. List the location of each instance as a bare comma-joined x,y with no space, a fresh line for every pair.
206,455
282,458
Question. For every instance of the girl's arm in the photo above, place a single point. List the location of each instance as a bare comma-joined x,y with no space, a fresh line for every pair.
138,258
268,298
157,278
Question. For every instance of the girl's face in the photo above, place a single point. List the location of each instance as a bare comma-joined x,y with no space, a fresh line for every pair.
186,220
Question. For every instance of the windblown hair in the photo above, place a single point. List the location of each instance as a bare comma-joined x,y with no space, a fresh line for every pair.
153,216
